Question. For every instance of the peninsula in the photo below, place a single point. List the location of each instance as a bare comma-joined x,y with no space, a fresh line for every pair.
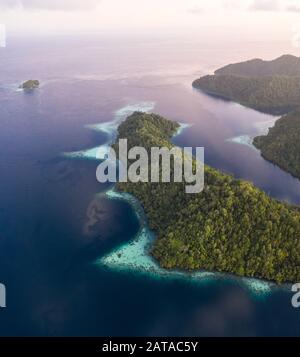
230,227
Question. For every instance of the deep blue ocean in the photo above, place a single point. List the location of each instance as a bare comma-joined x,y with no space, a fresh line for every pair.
54,225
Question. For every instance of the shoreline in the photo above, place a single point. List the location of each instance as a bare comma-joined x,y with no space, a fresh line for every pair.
134,256
248,140
262,128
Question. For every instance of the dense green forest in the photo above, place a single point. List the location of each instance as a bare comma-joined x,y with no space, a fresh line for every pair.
282,144
230,227
274,95
268,86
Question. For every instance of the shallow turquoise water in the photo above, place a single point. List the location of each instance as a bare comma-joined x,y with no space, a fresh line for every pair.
134,256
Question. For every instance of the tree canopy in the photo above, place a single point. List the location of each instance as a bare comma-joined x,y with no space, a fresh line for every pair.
231,226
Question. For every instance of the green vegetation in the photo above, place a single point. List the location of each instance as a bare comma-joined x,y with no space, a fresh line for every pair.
141,130
230,227
271,87
30,84
274,95
282,145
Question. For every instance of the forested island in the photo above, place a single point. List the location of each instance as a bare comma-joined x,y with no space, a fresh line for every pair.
30,84
230,227
268,86
271,87
274,95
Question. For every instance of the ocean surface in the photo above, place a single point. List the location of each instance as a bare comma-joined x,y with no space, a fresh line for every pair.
73,253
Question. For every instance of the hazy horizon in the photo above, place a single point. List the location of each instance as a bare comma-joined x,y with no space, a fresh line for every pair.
250,20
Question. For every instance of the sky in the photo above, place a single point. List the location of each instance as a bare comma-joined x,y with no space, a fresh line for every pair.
249,19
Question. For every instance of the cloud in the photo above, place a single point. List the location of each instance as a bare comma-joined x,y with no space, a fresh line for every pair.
63,5
238,6
296,36
265,5
275,5
232,4
293,8
195,10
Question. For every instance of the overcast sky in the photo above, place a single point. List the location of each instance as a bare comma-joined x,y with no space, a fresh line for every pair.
273,19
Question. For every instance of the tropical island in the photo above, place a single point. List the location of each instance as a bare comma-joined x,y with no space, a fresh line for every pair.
273,95
271,87
231,226
268,86
30,84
